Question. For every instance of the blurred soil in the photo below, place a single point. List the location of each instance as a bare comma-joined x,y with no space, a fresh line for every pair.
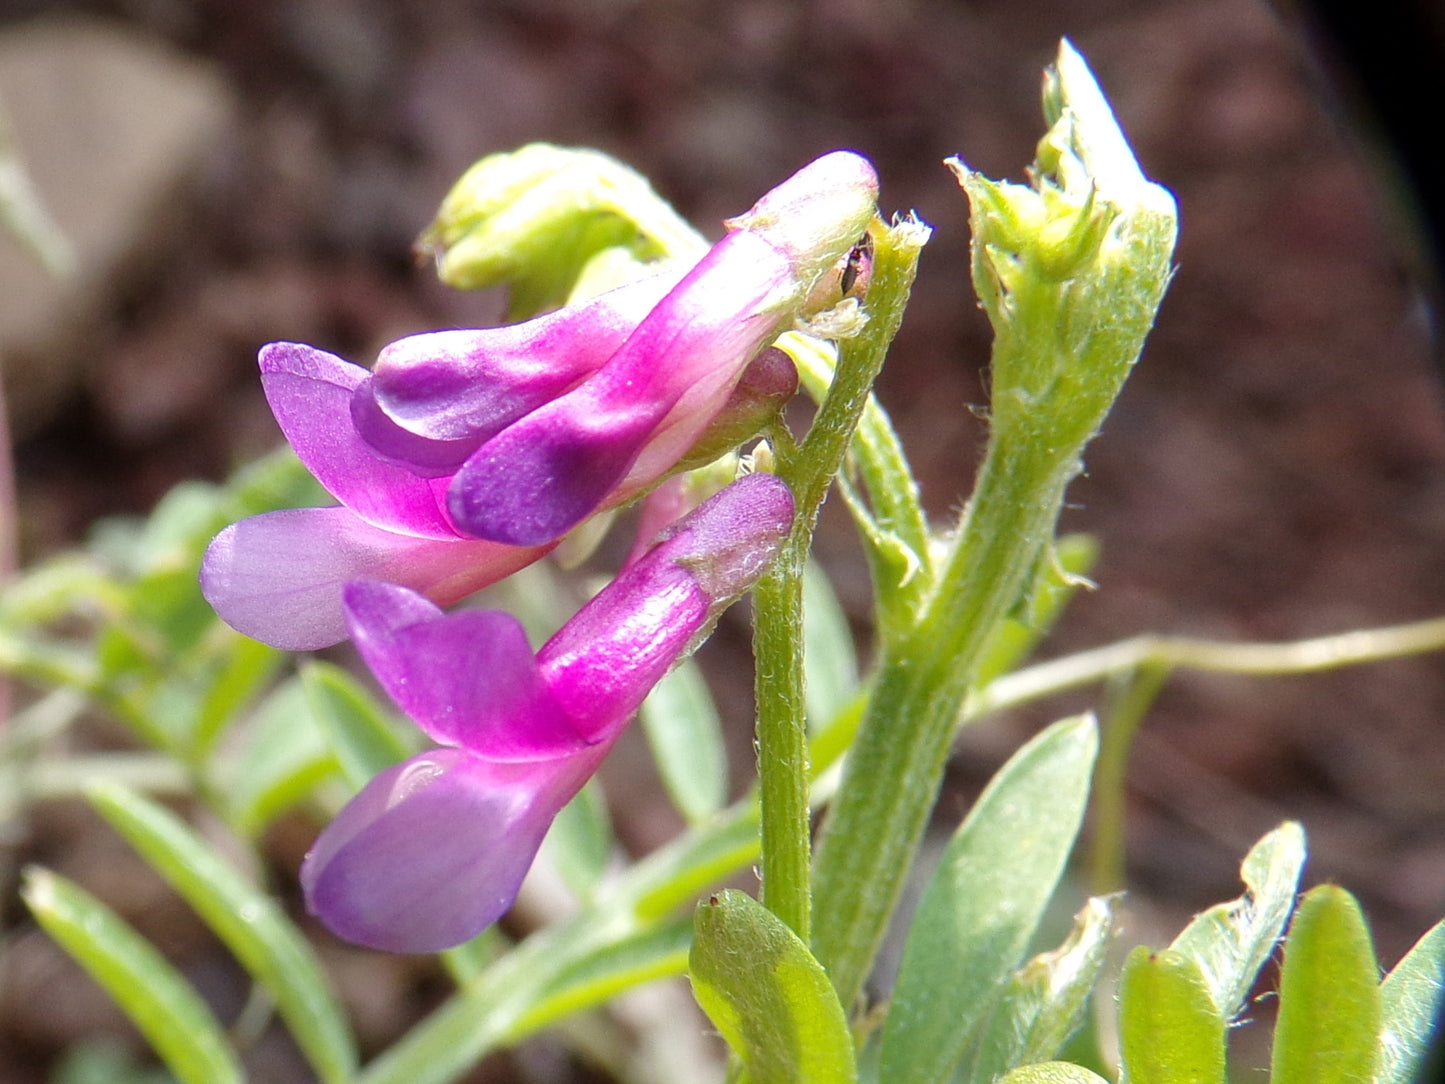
1275,469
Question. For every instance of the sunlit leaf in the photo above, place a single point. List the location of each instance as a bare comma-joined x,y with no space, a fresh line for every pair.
152,993
1045,1001
983,905
248,921
1231,941
1328,1030
620,965
1052,1072
1411,1002
1170,1030
762,989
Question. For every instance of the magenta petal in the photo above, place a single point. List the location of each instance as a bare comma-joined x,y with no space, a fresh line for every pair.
450,385
310,393
603,662
433,850
421,456
541,477
278,576
468,679
632,420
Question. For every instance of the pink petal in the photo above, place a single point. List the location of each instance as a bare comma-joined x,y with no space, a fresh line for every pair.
433,850
310,392
603,662
468,679
449,385
539,478
278,576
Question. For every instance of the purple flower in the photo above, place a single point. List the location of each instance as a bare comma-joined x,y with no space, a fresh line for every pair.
525,469
465,455
279,576
433,850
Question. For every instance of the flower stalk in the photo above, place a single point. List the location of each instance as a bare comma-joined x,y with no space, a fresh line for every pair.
1071,271
809,469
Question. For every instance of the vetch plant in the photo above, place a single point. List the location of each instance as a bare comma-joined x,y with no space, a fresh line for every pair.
643,370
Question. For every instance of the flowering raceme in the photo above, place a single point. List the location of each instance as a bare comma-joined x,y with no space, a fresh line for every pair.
433,850
465,455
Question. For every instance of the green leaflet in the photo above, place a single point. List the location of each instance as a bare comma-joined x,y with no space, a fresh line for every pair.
362,734
1052,1072
766,994
1231,941
580,841
1329,999
1170,1031
1410,1000
283,757
250,923
685,735
983,905
1045,1001
830,661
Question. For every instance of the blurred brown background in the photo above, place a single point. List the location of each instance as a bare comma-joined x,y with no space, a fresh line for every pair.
233,173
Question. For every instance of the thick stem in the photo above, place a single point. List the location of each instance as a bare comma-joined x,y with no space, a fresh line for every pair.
894,769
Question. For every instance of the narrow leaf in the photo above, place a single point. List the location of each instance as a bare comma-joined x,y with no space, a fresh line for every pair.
1052,1072
362,734
592,979
685,734
830,661
580,840
282,760
1045,1000
1231,941
1411,995
762,989
248,921
1170,1031
983,905
152,993
106,1061
1328,1031
247,665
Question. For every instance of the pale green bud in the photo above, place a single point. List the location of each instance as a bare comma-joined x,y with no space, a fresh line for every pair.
1070,268
531,219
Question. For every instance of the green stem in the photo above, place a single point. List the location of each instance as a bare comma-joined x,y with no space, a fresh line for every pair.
1130,698
778,623
782,736
1318,653
869,842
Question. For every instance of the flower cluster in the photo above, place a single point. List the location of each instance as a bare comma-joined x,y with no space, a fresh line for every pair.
462,456
465,455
